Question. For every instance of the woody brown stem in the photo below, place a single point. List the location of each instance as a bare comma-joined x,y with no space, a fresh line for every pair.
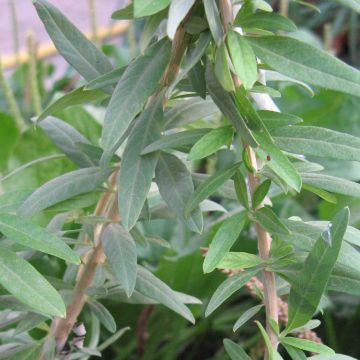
263,237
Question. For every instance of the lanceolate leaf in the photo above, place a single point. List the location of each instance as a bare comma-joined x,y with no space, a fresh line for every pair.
270,221
311,140
177,12
23,281
222,70
65,137
213,18
275,120
150,286
208,187
306,293
177,140
211,142
136,171
11,200
103,314
260,193
239,260
77,50
307,345
120,250
227,106
146,8
138,82
33,236
304,62
235,351
176,188
246,316
223,240
107,80
229,287
62,188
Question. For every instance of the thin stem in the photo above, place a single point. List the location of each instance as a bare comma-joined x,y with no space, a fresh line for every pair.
264,238
93,20
284,8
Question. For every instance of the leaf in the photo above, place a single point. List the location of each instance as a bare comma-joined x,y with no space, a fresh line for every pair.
307,345
306,293
76,49
307,63
209,186
235,351
120,250
274,120
243,58
260,193
270,221
331,357
136,171
188,111
223,240
321,193
103,314
146,7
239,260
23,281
35,237
177,12
74,97
246,316
353,4
271,351
176,141
229,287
124,13
9,136
150,286
11,200
312,140
265,20
29,322
65,137
62,188
107,80
176,188
211,142
213,18
295,354
278,162
332,184
222,70
241,189
227,106
138,82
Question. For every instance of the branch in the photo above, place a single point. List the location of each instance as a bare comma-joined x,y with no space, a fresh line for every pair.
264,238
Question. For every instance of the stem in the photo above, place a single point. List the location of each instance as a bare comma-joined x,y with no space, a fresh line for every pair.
93,19
284,8
264,238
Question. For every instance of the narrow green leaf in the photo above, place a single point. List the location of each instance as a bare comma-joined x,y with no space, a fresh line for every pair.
152,287
23,281
239,260
103,314
74,97
138,82
265,20
295,354
274,120
270,221
65,137
107,80
332,184
243,58
136,171
321,193
208,187
176,141
241,189
307,345
312,140
235,351
11,200
278,162
126,13
213,18
146,7
260,193
29,322
227,106
222,70
176,188
246,316
307,63
120,250
270,349
62,188
229,287
76,49
35,237
211,142
223,240
177,12
306,293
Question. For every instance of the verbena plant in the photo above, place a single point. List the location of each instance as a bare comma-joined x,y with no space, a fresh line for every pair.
206,60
